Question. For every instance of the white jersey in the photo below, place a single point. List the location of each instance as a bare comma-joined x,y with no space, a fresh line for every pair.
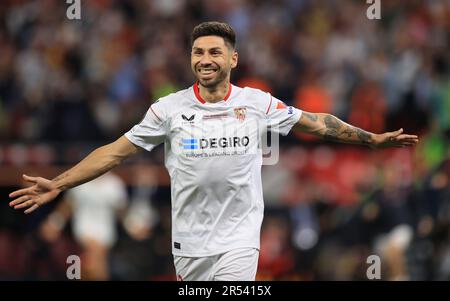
214,161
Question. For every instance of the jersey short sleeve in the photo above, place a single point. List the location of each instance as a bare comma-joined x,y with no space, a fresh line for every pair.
281,117
151,131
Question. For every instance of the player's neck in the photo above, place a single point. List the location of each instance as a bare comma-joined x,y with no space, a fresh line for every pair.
216,93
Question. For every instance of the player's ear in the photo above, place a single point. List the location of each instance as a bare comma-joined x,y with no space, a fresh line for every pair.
234,59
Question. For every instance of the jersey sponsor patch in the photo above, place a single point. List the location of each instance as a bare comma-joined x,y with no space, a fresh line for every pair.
222,142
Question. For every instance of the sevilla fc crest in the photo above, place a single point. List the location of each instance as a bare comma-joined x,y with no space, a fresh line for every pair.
240,113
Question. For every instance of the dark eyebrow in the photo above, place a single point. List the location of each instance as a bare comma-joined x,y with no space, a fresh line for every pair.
213,48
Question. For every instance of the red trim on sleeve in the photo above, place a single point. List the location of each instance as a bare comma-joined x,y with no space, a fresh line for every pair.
269,105
198,96
155,114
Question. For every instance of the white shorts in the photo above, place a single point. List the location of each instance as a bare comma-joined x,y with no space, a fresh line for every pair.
235,265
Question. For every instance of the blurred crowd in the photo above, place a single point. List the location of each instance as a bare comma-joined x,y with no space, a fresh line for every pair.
328,207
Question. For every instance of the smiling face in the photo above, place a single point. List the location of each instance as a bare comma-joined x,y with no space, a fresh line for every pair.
212,60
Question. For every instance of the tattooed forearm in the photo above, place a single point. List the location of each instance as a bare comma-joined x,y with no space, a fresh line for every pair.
347,133
364,136
337,130
310,116
307,123
332,127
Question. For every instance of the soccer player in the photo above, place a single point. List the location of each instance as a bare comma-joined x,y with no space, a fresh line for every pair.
210,132
95,207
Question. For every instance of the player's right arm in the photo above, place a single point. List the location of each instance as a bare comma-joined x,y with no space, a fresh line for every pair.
95,164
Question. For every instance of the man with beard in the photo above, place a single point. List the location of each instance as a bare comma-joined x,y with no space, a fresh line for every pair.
211,134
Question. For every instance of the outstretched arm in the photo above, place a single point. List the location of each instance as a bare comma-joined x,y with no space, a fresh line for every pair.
95,164
333,129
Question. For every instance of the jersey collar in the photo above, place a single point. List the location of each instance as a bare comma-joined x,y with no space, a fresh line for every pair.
199,98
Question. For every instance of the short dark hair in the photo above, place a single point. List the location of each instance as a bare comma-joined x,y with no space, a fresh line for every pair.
214,28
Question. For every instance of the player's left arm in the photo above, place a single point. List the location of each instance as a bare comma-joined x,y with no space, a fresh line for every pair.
332,128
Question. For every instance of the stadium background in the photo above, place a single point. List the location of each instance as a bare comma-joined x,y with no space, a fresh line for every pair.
69,86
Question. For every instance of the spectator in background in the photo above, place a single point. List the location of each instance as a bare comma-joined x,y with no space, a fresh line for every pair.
368,107
276,256
312,97
94,206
